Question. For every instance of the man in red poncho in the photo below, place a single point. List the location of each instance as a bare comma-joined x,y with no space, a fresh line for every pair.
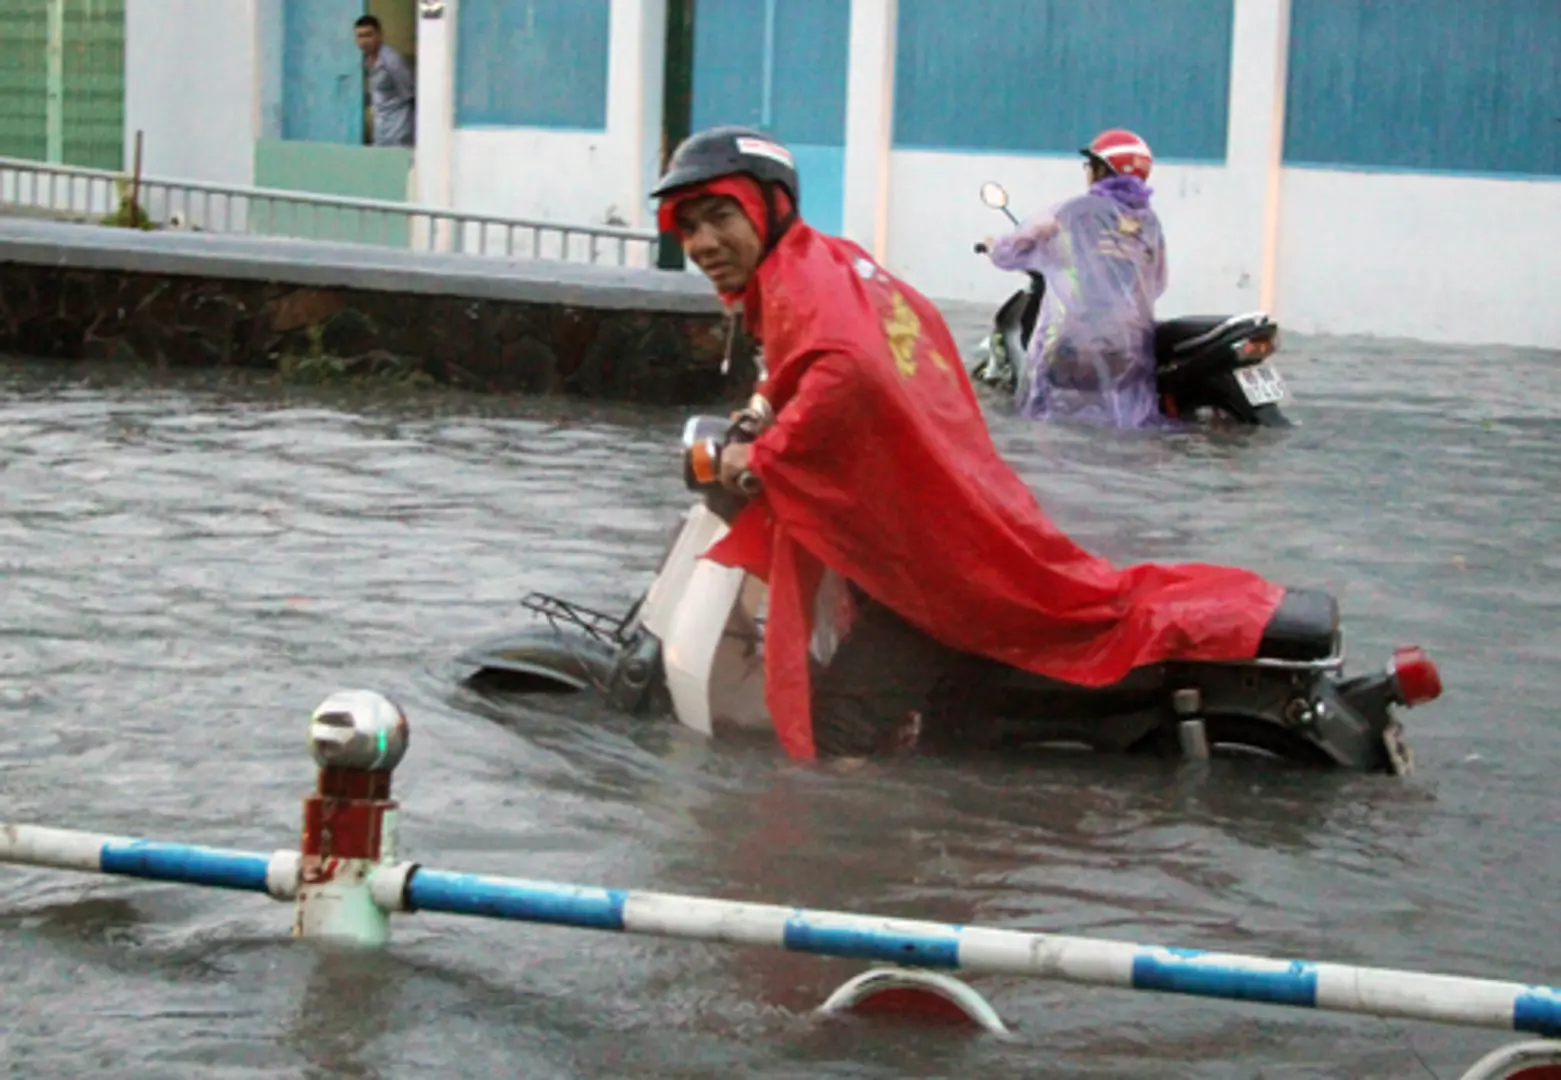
901,551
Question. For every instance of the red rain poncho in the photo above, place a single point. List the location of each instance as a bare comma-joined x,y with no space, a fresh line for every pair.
880,467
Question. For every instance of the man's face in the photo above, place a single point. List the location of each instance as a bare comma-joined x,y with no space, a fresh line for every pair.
719,239
368,39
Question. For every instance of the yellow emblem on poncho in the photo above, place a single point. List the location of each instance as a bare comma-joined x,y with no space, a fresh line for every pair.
903,329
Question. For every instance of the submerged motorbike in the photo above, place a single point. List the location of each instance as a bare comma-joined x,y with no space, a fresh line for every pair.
1205,365
694,645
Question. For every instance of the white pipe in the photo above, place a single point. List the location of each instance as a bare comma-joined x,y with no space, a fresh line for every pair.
1333,987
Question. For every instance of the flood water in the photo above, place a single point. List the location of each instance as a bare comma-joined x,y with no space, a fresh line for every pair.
188,565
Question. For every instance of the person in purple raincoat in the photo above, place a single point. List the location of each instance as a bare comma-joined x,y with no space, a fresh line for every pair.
1091,357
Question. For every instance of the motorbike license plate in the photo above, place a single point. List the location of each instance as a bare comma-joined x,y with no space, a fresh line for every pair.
1261,384
1399,755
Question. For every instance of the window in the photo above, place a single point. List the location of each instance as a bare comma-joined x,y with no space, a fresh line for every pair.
532,63
1047,75
1424,85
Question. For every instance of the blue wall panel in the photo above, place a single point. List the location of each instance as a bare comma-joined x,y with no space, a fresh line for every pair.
1426,85
812,53
532,63
728,63
780,65
322,72
1047,75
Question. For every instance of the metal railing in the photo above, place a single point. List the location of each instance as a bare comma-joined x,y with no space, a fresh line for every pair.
92,194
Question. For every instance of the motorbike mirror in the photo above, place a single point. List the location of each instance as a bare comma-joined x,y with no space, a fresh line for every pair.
994,195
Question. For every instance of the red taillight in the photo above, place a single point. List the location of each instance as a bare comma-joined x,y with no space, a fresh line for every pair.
1253,349
1416,675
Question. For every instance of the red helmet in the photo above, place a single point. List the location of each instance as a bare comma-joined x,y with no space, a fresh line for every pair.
1122,152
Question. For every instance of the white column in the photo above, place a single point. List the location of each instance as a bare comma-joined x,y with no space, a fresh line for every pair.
869,123
636,72
433,157
1260,46
653,78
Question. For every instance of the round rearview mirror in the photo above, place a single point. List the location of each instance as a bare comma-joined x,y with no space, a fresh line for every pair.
994,195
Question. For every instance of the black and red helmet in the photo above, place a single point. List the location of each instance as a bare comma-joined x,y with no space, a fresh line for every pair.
730,151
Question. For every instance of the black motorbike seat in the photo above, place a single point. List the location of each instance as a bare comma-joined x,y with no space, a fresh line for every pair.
1176,336
1305,626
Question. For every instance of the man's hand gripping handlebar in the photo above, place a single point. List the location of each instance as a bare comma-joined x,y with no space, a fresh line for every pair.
717,453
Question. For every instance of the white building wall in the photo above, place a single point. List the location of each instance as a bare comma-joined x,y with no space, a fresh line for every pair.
192,72
1434,258
1437,258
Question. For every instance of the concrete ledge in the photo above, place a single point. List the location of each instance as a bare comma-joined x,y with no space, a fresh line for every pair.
326,311
352,266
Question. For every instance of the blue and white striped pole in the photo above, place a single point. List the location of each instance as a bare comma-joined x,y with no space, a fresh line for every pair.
187,864
1382,992
407,887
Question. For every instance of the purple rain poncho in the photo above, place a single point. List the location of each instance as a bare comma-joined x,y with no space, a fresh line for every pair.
1091,357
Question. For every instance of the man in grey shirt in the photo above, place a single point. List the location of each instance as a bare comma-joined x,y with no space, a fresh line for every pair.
392,91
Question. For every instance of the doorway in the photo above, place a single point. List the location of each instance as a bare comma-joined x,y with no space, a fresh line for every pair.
327,123
324,93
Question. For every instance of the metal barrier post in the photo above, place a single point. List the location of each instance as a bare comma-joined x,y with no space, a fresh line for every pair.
358,737
913,992
1536,1060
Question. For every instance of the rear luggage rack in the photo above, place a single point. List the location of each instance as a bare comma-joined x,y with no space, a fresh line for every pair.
608,629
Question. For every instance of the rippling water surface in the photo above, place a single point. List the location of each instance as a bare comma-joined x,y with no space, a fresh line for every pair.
188,566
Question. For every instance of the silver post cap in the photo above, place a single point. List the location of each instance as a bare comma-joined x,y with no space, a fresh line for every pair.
358,729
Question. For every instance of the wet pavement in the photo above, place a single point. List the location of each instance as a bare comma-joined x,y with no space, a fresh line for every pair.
188,565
